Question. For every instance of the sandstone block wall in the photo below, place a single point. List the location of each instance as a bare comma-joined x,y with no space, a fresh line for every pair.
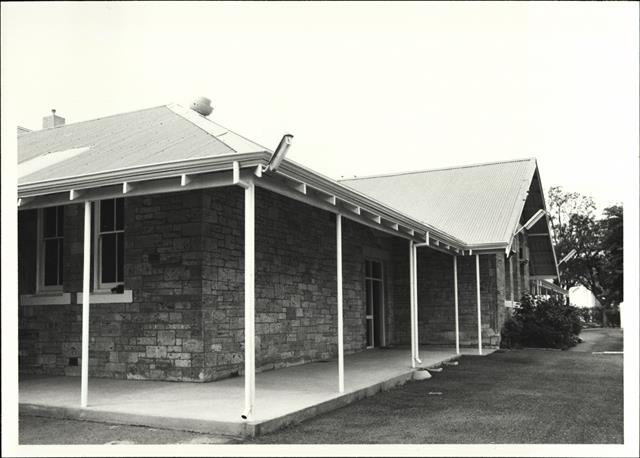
184,262
296,310
157,336
436,306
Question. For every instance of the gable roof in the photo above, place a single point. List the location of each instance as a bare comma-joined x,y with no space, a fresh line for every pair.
145,137
479,204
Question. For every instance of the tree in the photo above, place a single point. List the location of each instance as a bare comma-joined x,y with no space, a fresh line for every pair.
612,244
597,264
562,205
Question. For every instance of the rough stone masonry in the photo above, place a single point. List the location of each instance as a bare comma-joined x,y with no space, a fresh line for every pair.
184,264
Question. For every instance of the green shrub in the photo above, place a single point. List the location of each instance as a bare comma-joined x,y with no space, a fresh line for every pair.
585,314
546,323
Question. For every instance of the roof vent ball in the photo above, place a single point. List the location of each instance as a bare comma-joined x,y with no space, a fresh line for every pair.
202,105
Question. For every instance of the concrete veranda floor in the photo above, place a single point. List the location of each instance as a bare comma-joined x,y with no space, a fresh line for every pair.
283,396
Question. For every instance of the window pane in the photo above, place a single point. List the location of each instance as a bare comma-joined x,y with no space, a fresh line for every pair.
60,261
108,262
60,220
51,262
106,215
367,268
377,295
368,298
376,270
120,214
120,243
49,224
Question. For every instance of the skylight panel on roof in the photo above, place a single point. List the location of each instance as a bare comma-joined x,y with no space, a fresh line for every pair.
47,160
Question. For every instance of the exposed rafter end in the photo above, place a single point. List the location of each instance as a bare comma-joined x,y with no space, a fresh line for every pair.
389,224
126,187
258,171
406,230
185,179
324,196
371,216
349,206
73,194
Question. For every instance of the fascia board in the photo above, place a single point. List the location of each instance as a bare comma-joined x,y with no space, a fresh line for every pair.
142,173
519,204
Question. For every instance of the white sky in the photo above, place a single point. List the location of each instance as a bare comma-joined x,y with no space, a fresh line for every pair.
365,89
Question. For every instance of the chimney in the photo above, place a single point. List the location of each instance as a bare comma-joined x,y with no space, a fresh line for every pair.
52,121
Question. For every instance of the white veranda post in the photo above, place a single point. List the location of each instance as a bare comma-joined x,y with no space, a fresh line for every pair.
339,297
478,302
455,298
411,303
86,278
415,303
249,302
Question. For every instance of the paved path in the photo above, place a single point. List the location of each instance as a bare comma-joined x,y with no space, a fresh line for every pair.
600,339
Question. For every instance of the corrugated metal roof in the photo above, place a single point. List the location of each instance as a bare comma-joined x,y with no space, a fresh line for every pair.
144,137
477,203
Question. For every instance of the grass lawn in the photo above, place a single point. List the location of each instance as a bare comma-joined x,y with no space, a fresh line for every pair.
524,396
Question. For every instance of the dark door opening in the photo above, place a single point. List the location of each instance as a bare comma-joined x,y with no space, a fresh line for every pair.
374,303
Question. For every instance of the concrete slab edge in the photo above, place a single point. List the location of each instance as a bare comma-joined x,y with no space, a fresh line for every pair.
219,427
269,426
123,418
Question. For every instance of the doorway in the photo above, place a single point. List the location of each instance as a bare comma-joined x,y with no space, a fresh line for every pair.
374,303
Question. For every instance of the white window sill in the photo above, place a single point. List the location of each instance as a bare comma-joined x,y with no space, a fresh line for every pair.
45,298
125,297
511,304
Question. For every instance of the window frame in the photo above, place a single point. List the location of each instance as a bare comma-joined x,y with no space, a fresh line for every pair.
98,285
40,254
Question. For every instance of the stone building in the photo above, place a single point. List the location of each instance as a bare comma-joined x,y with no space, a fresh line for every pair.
203,260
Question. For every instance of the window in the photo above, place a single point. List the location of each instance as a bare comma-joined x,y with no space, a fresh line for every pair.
109,260
50,252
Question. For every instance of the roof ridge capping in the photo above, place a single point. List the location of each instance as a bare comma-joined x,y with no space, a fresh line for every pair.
99,118
411,172
237,142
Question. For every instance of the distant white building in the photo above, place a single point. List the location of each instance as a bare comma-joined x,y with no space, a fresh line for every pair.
582,297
